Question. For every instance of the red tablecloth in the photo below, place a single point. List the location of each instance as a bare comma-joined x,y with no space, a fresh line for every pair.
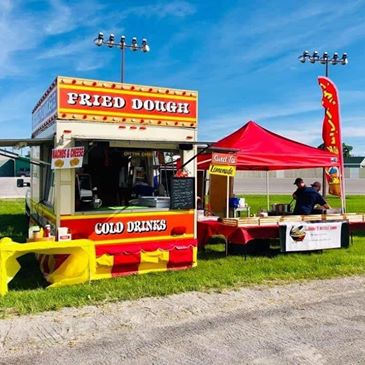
235,235
357,226
243,235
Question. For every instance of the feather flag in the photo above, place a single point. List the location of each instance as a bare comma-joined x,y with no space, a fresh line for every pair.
331,134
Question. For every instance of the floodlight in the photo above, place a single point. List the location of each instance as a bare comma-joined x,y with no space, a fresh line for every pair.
344,59
99,40
134,45
145,47
122,43
111,41
334,60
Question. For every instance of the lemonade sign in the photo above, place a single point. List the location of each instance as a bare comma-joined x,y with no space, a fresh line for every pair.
223,164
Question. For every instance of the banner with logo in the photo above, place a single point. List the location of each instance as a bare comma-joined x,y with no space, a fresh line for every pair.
331,134
308,236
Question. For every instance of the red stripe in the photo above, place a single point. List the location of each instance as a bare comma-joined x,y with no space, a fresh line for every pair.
180,258
116,249
126,263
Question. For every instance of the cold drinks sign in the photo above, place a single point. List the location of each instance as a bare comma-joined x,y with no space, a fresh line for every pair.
223,164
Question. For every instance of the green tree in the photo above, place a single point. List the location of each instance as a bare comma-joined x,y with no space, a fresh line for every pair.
346,149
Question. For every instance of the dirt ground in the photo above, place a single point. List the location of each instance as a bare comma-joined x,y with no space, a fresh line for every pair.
317,322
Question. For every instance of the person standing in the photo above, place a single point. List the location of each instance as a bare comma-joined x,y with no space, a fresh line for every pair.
307,198
317,187
300,186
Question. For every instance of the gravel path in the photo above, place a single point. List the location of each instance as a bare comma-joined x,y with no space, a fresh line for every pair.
318,322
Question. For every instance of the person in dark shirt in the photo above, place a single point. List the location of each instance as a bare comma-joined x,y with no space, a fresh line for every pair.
307,198
300,186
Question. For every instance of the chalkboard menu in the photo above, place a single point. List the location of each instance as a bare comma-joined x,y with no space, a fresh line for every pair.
182,193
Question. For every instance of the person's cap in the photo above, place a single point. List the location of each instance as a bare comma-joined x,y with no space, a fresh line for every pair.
316,184
298,180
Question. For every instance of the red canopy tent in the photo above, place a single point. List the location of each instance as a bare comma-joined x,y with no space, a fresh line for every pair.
260,149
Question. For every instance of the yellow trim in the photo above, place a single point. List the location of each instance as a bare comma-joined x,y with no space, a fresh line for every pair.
134,214
143,239
42,209
195,256
127,92
153,261
131,115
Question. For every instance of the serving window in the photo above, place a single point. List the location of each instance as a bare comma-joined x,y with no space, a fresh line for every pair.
47,183
124,177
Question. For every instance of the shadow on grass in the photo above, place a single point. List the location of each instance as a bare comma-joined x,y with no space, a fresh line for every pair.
29,276
256,248
358,234
215,249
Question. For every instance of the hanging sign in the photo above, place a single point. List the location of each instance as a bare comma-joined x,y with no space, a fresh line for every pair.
66,158
224,158
224,170
223,164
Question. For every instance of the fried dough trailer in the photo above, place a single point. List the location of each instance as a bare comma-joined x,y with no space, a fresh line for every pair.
109,173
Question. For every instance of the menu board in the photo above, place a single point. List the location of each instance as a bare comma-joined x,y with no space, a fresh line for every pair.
182,193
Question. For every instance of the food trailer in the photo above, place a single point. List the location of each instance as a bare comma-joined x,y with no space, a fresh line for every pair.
118,169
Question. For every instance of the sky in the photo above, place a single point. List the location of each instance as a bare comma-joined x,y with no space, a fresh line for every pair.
240,55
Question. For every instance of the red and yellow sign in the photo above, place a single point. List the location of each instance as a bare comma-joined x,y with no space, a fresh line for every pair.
131,227
331,133
101,101
137,242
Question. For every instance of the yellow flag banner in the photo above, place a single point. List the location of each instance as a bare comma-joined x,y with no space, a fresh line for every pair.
331,134
224,170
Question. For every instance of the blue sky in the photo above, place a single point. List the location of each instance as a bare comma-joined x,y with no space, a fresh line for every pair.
242,57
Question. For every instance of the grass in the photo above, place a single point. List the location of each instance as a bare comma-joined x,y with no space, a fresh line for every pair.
354,203
214,271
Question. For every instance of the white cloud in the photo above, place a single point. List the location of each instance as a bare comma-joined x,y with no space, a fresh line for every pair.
6,5
64,21
62,49
16,112
175,8
14,39
259,113
353,131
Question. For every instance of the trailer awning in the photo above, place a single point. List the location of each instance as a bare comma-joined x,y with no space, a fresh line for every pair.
207,146
25,142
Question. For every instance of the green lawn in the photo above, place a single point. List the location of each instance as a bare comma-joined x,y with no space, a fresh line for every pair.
214,271
354,203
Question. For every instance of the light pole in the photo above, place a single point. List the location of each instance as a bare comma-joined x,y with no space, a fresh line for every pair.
324,60
144,47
